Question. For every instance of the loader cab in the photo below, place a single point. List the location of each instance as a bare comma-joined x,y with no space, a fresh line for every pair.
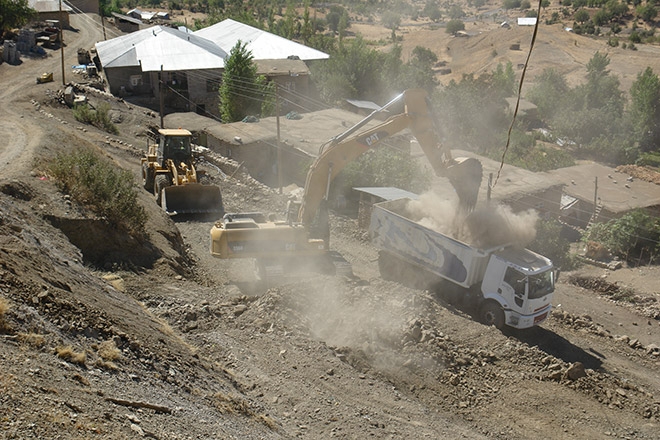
174,144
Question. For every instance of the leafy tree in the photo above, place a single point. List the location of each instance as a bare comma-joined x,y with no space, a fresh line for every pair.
456,12
353,71
424,56
473,113
391,20
602,17
454,26
645,109
241,91
432,10
635,236
511,4
525,4
581,16
549,242
382,166
14,13
647,12
504,80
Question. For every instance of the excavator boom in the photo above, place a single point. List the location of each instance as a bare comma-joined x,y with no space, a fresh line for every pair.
244,235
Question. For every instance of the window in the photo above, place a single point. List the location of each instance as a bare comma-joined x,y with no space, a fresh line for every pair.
516,280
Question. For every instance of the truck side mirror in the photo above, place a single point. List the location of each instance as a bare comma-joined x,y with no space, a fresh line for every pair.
557,272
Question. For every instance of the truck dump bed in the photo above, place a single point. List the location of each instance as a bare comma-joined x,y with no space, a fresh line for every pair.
393,231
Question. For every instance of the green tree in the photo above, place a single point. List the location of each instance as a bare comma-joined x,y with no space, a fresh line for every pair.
14,13
454,26
391,20
645,109
635,236
353,71
648,12
504,80
240,92
581,16
548,242
511,4
456,12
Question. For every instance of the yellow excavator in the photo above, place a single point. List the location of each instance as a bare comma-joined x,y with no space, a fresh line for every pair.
302,239
169,171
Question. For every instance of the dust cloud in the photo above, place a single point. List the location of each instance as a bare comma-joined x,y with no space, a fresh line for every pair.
489,225
345,316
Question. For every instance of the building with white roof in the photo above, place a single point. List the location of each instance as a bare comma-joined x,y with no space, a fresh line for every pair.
191,64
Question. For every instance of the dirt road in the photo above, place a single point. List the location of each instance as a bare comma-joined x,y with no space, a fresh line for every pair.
202,351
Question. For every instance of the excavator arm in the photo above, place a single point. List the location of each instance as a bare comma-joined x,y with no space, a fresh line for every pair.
464,173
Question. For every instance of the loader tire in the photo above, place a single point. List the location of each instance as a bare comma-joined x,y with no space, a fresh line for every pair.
161,182
147,177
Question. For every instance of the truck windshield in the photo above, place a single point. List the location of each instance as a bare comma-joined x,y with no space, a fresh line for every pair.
540,285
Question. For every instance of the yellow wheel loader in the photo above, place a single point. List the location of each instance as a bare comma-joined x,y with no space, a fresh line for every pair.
168,170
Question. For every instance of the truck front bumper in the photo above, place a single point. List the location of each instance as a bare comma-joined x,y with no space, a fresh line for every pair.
516,320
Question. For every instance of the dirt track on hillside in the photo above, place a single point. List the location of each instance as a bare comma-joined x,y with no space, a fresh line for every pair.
203,351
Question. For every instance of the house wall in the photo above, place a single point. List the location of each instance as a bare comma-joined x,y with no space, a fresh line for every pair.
546,202
260,159
290,89
131,80
63,17
203,92
126,26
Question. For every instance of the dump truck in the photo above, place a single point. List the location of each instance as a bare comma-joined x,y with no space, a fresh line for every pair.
304,235
508,285
168,170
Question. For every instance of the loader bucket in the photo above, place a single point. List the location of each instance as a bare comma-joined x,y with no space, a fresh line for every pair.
192,198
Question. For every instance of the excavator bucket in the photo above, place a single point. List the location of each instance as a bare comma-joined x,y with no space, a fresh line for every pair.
192,198
465,174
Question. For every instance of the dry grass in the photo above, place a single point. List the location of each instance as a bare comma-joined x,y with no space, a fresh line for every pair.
108,351
70,355
228,404
4,307
32,339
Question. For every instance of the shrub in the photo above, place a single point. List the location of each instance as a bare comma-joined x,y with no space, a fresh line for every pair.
68,354
634,237
454,26
549,242
99,118
98,184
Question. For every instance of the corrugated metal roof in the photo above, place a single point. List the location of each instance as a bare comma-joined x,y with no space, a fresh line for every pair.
281,67
369,105
263,45
161,46
388,193
127,18
526,21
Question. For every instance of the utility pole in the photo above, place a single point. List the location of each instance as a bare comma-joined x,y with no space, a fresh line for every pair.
162,98
102,23
279,147
62,42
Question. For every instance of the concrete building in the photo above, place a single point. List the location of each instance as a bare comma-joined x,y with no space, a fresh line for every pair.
189,66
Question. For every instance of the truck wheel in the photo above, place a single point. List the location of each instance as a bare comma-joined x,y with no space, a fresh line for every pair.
147,177
491,313
162,181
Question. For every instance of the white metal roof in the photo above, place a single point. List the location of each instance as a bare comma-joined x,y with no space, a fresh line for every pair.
263,45
160,46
